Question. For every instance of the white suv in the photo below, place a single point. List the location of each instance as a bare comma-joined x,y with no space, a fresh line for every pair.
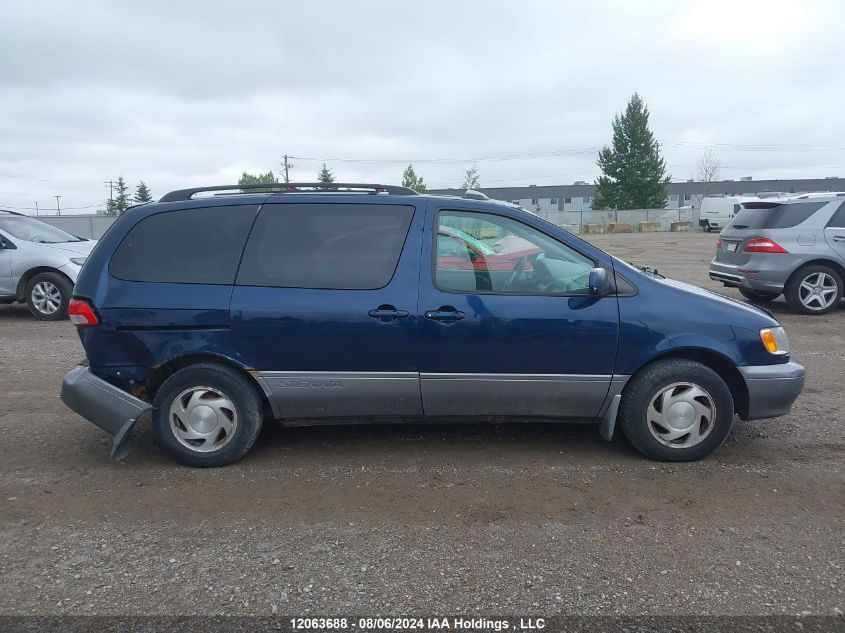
39,264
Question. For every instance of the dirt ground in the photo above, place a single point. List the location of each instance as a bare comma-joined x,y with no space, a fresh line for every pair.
520,519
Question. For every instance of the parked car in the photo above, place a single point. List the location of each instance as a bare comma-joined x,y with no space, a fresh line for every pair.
311,306
793,246
39,264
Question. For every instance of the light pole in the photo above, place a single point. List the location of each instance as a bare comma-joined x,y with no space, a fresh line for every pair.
58,206
36,207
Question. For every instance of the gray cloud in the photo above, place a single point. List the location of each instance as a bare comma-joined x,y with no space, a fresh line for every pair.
182,93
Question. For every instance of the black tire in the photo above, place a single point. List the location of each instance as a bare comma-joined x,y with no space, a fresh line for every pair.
648,383
792,292
707,227
233,386
36,299
752,295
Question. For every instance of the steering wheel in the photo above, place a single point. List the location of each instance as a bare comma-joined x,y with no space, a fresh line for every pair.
517,270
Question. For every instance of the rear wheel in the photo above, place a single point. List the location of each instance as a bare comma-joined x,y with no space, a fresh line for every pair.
676,410
814,290
207,415
753,295
48,296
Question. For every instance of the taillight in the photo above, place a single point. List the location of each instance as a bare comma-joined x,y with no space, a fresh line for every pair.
763,245
82,314
718,243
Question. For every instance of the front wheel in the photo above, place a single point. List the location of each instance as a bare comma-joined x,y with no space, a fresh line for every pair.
48,296
753,295
676,410
707,228
207,415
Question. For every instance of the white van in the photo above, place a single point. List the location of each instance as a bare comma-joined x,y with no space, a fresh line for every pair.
717,211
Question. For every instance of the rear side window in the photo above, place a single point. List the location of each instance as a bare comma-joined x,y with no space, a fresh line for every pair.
774,216
330,246
189,246
838,219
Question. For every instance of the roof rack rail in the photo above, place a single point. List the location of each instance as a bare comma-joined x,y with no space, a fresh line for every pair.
12,212
292,187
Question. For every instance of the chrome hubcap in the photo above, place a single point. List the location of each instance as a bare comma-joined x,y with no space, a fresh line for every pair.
203,419
818,291
681,415
46,297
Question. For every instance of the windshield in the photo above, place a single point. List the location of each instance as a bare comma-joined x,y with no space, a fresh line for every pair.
31,230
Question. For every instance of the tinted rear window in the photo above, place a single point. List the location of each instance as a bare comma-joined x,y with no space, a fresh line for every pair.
332,246
781,216
189,246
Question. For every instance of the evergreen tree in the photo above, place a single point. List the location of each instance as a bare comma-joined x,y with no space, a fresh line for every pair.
472,178
119,202
325,175
142,193
633,172
260,179
411,180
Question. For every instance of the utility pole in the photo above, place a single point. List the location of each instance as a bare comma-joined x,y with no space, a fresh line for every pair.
58,206
287,167
110,184
36,207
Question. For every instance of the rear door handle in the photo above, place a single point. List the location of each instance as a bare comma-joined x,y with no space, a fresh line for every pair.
387,312
839,238
446,314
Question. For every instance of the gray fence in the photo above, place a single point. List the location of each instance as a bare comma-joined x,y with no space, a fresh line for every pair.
90,226
575,220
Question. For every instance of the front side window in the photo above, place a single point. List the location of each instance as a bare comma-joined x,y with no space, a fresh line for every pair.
328,246
482,252
838,219
188,246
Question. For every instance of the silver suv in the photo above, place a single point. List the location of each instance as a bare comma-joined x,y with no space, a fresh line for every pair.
39,264
794,246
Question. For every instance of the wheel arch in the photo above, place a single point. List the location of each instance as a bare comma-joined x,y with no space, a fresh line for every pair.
164,370
29,274
719,363
819,261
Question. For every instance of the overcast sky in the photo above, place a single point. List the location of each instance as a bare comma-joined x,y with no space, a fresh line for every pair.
190,93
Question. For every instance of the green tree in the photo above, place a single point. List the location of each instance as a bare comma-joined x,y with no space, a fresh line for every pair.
472,178
142,193
119,199
259,179
410,179
325,175
633,172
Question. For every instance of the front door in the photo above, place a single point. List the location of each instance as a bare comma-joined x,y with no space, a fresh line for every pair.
324,308
507,324
834,233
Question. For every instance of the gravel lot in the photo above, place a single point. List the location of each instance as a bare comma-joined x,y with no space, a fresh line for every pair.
522,519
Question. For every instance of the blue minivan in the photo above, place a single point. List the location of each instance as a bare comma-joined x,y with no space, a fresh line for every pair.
218,308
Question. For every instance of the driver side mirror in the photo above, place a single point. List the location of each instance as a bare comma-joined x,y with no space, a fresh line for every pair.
599,282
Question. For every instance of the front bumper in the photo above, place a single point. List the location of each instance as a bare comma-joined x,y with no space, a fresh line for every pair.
772,389
100,402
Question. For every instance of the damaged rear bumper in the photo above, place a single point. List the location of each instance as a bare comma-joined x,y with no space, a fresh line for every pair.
110,408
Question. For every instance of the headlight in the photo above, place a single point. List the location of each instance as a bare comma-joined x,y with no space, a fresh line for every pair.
774,340
78,260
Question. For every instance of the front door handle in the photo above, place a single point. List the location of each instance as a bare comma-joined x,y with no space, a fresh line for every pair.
446,314
386,312
839,238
